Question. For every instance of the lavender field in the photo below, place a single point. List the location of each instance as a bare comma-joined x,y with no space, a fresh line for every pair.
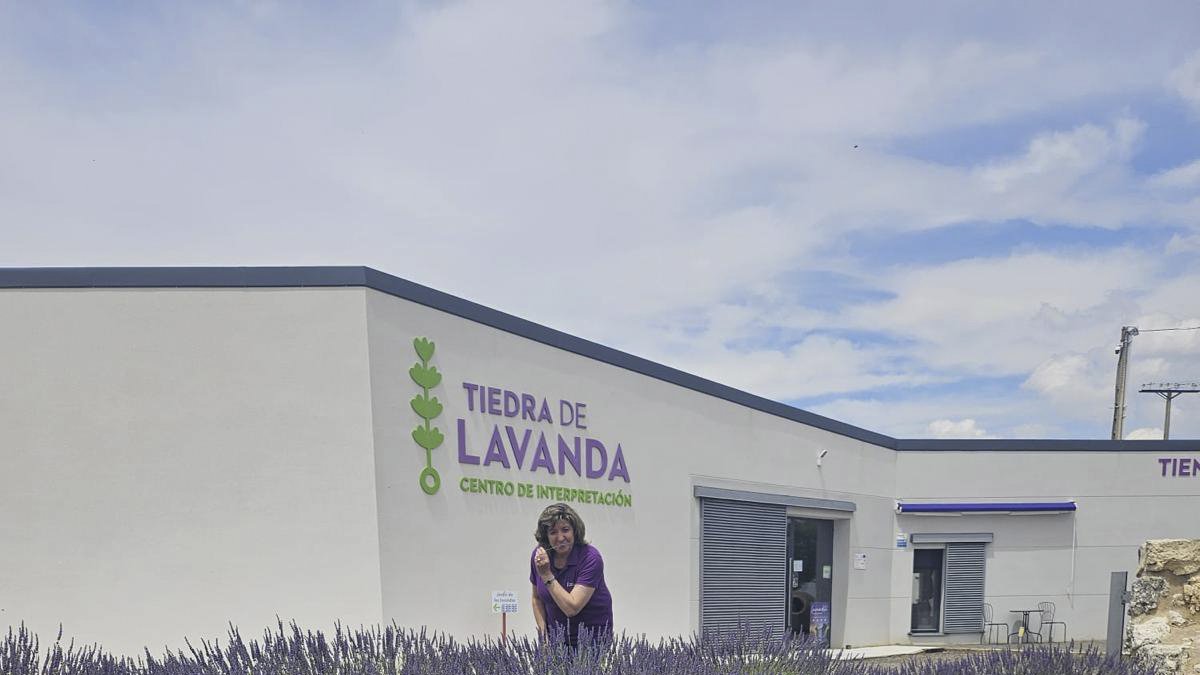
391,650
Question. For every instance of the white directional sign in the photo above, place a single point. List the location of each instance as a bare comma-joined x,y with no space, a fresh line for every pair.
504,602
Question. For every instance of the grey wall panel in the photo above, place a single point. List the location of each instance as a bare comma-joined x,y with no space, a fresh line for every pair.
211,461
743,561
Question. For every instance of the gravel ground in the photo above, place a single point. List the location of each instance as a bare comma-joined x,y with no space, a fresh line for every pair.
923,657
960,651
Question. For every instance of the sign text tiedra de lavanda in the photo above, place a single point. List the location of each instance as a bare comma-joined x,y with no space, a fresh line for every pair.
508,488
517,448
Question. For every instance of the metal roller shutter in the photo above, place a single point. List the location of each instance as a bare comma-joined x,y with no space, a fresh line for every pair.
964,588
743,561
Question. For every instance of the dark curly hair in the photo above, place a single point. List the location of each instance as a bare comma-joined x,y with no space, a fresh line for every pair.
551,515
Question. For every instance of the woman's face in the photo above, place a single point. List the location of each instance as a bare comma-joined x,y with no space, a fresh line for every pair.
561,535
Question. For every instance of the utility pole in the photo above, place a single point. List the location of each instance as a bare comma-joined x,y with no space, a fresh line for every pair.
1169,391
1118,428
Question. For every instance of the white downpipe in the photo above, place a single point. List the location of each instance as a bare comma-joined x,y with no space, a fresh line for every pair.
1074,547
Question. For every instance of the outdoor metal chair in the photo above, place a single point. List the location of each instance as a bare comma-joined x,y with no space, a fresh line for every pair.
1047,610
990,626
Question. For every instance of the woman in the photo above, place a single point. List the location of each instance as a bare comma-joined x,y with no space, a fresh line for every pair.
567,573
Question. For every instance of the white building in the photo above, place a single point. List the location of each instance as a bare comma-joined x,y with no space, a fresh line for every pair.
183,448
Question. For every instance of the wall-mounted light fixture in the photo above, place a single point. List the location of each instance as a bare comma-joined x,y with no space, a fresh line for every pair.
821,455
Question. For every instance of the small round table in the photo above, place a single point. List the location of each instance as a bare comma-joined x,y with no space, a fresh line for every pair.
1024,632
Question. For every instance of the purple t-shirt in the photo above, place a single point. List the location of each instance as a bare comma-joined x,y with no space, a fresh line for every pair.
584,567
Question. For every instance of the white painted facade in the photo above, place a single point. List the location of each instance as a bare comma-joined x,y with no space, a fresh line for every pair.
175,459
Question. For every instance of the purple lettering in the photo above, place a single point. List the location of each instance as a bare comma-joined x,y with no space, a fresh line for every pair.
518,449
1164,462
595,469
568,455
1196,467
464,457
512,404
580,415
541,456
493,401
566,413
618,466
495,451
470,395
528,403
544,414
1185,467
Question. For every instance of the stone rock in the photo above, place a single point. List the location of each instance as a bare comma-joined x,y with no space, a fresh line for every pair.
1145,593
1177,556
1191,594
1149,633
1168,658
1162,632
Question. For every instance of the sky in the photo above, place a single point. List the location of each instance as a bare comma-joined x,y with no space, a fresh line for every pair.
930,220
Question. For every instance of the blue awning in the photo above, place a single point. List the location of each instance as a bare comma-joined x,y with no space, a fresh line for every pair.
950,508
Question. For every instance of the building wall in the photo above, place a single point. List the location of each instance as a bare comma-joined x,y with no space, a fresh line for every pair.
444,554
174,460
1123,499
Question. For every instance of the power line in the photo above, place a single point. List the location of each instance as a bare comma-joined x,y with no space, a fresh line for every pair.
1127,334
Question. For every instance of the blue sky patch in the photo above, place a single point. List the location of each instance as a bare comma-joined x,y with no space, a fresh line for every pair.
989,240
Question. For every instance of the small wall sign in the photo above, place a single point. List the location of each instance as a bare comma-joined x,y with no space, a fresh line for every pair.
860,561
504,602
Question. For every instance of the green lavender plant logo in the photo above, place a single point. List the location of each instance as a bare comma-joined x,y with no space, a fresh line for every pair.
425,434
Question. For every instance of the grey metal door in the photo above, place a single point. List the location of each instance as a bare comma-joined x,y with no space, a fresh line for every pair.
743,566
963,606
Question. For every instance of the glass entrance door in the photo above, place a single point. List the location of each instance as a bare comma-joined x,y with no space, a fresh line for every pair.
810,577
928,564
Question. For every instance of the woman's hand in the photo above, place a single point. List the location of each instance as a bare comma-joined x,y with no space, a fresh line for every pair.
542,562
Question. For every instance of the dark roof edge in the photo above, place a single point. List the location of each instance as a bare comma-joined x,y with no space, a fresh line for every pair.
1036,445
487,316
281,277
180,277
261,277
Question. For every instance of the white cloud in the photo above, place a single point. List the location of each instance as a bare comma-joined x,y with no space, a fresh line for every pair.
1183,243
1185,80
1181,177
1004,315
1061,159
1145,434
1165,335
909,416
1060,373
819,364
964,428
